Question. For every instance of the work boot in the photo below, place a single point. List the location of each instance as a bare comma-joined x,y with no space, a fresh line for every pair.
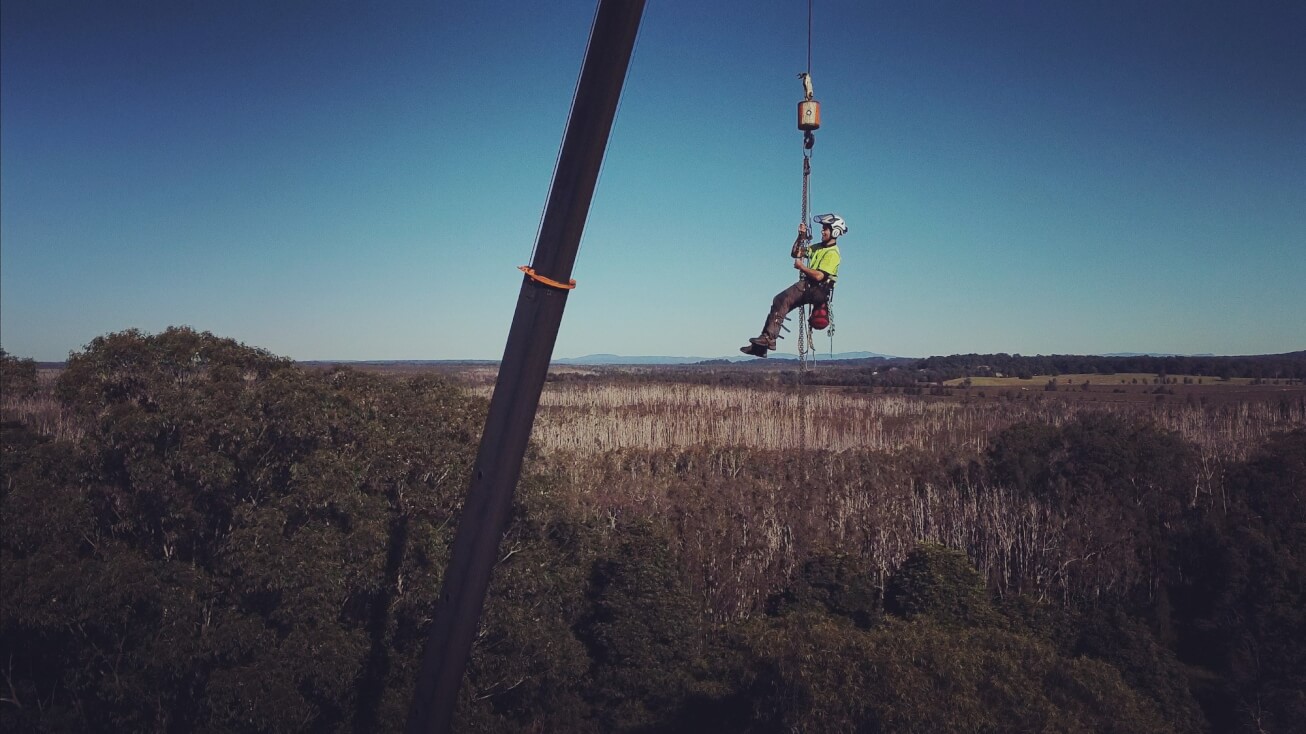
754,351
764,341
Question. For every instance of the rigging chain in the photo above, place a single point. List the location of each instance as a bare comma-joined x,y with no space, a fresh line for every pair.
802,310
804,327
805,340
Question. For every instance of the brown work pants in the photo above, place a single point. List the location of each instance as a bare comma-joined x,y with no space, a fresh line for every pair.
804,292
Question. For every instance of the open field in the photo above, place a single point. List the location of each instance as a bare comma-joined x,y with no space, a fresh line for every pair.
595,418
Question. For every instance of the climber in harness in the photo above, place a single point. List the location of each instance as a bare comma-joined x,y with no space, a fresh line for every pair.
814,287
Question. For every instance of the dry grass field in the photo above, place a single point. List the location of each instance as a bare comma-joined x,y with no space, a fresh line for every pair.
592,418
755,477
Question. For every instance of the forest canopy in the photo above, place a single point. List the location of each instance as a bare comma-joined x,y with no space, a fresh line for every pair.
210,537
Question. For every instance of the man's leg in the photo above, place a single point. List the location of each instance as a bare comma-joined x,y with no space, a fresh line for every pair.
784,302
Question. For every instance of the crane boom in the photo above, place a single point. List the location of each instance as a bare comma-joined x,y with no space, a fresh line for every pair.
524,366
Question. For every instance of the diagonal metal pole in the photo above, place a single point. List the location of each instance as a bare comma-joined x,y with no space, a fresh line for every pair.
524,367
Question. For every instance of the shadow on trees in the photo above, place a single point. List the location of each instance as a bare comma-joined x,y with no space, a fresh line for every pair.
237,544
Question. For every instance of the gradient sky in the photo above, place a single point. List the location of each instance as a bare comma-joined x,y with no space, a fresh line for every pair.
359,180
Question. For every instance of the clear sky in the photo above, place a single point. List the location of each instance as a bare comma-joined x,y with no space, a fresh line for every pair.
359,180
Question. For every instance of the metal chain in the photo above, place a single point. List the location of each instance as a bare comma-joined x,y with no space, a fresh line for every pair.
809,141
804,325
803,328
829,308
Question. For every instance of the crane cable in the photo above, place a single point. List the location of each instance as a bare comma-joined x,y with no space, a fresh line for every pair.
809,140
804,326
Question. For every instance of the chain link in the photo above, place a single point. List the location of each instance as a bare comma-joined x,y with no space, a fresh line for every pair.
804,330
829,307
804,326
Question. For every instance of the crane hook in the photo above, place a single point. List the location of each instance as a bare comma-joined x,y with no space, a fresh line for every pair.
809,110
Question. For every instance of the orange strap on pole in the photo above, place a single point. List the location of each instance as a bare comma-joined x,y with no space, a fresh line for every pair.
546,281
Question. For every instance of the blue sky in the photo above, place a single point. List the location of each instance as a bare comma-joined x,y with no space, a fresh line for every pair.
359,180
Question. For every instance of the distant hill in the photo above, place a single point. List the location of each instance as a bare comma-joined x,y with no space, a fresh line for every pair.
602,359
1153,354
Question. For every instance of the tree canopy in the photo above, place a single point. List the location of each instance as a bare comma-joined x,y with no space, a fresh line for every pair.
232,542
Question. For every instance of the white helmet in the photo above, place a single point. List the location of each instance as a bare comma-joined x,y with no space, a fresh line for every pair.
837,226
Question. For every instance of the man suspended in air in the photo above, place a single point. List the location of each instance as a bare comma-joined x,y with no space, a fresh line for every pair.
813,288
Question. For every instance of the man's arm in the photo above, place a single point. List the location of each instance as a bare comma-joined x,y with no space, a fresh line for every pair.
797,249
815,275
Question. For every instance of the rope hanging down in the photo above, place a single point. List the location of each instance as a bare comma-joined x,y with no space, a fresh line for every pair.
809,119
804,327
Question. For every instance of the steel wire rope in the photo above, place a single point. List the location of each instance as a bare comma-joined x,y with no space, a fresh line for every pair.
616,117
803,327
571,106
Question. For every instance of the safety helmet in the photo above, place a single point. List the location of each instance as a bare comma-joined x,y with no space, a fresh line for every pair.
837,226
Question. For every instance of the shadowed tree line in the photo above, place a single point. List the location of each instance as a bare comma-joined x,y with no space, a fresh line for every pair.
18,377
1290,366
899,372
237,544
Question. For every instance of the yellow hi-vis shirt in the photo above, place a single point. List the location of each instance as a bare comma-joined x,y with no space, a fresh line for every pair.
826,260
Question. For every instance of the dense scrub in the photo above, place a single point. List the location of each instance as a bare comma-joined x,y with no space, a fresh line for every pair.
218,540
18,377
1290,366
231,544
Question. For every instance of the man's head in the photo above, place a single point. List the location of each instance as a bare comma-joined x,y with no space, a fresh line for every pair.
832,226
